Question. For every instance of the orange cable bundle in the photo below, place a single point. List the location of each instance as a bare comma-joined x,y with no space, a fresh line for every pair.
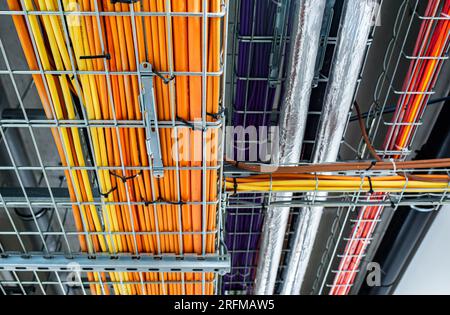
131,216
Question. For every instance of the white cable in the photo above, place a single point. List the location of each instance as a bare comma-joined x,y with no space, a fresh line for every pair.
394,165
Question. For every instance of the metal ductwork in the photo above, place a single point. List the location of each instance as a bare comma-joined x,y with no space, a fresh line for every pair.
304,48
357,21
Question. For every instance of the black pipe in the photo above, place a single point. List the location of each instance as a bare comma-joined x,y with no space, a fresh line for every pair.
391,109
409,224
17,114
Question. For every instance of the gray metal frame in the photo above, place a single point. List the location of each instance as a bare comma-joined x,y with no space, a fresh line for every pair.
55,200
117,263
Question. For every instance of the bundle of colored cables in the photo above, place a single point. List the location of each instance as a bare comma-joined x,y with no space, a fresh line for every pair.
252,107
96,50
431,45
329,183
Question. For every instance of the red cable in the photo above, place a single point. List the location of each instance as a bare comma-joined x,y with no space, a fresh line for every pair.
421,76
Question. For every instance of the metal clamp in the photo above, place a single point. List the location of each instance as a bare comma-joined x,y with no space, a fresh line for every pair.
220,264
148,109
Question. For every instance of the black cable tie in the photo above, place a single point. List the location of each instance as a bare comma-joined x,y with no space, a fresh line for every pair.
370,184
391,201
235,186
189,124
124,179
264,206
124,1
218,115
107,193
106,56
175,203
372,165
150,203
134,176
165,80
160,200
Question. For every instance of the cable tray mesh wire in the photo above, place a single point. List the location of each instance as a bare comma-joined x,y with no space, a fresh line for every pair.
254,100
95,191
74,282
340,248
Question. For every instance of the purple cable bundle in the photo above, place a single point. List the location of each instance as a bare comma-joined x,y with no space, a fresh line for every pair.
243,232
253,98
252,107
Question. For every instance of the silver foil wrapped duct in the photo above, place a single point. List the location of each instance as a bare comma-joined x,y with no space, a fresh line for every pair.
355,28
305,37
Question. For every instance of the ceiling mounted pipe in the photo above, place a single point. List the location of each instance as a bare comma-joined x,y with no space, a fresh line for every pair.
303,54
357,21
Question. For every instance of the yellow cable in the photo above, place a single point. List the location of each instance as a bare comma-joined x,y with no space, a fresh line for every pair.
55,98
353,185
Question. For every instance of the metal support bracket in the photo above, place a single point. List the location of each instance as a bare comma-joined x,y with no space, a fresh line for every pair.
120,263
324,40
280,27
148,109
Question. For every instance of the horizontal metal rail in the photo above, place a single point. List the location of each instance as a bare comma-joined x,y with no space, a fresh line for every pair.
118,263
132,14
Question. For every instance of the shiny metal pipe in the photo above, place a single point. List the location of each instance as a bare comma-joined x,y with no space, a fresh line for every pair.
305,36
357,21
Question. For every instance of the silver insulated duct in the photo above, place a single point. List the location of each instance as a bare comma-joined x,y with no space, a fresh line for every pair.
305,36
356,23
